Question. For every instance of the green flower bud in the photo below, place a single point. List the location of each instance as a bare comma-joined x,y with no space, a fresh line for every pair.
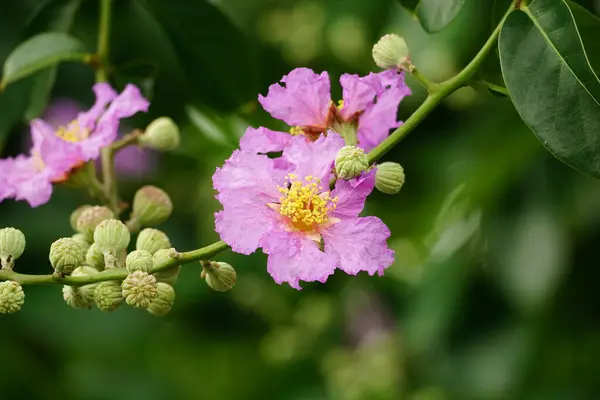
139,260
163,302
12,245
76,214
66,254
167,275
80,238
152,240
108,295
111,236
390,51
12,297
90,218
151,206
219,276
139,289
389,177
95,258
162,134
350,161
80,296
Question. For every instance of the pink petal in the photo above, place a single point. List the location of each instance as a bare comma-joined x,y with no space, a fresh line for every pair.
293,258
352,194
263,140
314,158
303,101
358,93
359,244
375,124
104,95
29,183
128,103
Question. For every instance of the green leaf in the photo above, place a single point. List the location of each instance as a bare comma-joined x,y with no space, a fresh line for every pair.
40,52
56,16
434,15
217,58
551,81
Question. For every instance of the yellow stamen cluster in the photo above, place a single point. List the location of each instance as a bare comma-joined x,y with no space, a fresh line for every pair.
296,130
304,203
72,132
340,104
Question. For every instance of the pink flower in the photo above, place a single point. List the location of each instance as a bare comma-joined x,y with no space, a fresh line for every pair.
55,152
364,117
306,230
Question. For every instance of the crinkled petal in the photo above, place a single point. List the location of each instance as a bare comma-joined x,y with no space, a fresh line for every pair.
58,155
358,93
263,140
29,183
314,158
391,78
294,258
375,124
105,133
249,173
104,95
128,103
359,244
351,195
303,101
242,223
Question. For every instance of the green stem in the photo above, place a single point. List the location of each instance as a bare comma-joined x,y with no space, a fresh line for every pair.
127,140
103,41
422,79
114,274
437,94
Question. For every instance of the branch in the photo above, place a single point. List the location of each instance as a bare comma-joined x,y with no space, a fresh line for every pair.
437,94
113,274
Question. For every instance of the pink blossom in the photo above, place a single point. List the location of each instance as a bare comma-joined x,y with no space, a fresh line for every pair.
306,230
55,152
365,116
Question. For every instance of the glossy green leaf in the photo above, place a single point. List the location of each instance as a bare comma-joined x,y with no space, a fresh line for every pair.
434,15
218,59
551,82
56,16
40,52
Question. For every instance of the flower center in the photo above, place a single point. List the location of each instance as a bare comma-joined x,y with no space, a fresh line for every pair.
72,132
304,203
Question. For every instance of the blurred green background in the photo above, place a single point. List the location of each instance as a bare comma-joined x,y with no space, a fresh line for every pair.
495,290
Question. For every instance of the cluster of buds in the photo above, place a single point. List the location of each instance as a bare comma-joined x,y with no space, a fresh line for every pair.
12,245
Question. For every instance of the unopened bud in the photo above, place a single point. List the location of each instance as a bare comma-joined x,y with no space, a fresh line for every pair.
81,239
139,289
111,236
152,240
151,206
66,254
219,276
12,297
163,302
390,51
350,162
80,296
108,295
95,258
76,214
162,134
90,218
162,257
12,245
139,260
389,177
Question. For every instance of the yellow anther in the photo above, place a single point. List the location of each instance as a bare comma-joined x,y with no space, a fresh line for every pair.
296,130
72,132
340,104
302,203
